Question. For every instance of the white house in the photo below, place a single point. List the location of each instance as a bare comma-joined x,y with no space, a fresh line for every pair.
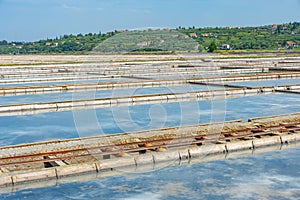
225,47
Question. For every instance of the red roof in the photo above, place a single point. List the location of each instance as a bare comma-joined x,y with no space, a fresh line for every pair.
291,43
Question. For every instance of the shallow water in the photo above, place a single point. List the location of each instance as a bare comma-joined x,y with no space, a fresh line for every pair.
278,82
68,96
64,125
272,175
47,83
267,176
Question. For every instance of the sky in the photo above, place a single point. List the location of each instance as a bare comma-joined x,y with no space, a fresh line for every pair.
31,20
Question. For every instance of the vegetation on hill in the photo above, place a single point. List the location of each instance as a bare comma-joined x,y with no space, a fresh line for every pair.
64,44
270,37
149,41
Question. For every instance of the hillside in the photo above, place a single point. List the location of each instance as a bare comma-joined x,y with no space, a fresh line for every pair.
270,37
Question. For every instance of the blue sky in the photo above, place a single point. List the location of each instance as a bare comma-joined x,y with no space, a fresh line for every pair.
29,20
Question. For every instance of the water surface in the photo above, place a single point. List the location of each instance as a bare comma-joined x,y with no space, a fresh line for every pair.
272,175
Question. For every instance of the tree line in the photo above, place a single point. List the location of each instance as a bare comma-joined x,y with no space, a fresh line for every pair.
268,37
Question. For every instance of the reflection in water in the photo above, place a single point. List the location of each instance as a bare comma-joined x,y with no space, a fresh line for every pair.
264,176
61,125
261,83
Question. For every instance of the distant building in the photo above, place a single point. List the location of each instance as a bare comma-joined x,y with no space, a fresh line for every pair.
291,45
193,35
205,35
55,44
18,47
225,47
274,26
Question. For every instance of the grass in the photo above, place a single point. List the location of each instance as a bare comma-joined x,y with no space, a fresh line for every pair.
258,51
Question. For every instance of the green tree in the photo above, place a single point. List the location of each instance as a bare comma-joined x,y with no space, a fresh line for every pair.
212,47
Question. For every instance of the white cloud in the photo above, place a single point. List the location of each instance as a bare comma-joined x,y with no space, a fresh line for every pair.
71,7
146,195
